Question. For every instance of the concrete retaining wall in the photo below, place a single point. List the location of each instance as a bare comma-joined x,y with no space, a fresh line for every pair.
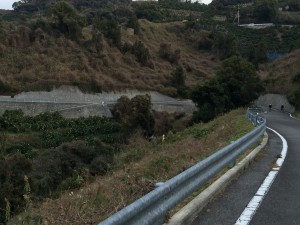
276,101
71,102
70,110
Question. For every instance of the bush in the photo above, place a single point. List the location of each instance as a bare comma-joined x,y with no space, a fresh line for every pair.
296,78
178,81
12,171
100,165
135,112
141,53
4,87
110,29
149,11
134,24
66,19
166,53
294,98
225,45
72,182
13,120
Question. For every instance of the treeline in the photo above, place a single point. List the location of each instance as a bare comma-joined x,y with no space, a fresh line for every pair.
227,39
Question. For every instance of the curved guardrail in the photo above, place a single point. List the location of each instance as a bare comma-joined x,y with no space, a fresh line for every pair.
152,208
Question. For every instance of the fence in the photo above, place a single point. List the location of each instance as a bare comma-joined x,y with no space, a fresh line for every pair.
152,208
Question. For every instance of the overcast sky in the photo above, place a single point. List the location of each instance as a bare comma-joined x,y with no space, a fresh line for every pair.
6,4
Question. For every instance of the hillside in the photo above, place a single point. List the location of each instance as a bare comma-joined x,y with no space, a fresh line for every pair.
119,45
283,77
36,55
171,47
48,61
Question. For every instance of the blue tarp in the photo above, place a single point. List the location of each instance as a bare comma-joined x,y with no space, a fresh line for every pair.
275,55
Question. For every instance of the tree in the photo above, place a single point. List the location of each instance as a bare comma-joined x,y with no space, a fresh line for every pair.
150,11
258,54
210,99
110,29
134,24
294,5
240,81
141,52
12,171
225,45
178,81
66,19
235,85
178,77
265,10
135,112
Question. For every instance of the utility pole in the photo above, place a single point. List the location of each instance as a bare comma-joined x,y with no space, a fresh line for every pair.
238,15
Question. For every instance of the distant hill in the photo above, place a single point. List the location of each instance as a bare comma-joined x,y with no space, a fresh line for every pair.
117,44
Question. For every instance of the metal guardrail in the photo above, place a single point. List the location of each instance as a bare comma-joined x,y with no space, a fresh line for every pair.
27,100
152,208
33,100
254,115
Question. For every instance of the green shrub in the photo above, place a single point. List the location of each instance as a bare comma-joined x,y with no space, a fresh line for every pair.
100,165
4,87
72,182
12,171
24,149
294,98
296,78
166,53
13,120
141,53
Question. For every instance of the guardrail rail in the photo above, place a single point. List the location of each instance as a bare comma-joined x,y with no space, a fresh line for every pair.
152,208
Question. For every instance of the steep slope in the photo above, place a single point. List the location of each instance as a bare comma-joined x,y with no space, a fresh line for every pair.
283,76
33,59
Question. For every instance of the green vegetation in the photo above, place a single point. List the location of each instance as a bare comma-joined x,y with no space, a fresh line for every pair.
134,113
66,19
58,154
178,81
87,43
265,10
235,85
140,165
296,78
244,40
53,152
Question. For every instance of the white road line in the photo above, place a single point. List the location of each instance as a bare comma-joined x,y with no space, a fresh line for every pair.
247,215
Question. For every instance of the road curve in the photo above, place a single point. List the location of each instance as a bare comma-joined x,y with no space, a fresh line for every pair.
281,206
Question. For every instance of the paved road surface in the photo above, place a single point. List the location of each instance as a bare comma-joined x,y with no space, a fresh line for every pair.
281,206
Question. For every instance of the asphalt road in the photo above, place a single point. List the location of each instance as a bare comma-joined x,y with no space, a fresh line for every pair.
281,205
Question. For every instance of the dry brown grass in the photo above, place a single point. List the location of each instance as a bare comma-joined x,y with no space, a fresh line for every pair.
139,167
27,65
279,73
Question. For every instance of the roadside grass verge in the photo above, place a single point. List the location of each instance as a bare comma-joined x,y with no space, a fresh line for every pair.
139,167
